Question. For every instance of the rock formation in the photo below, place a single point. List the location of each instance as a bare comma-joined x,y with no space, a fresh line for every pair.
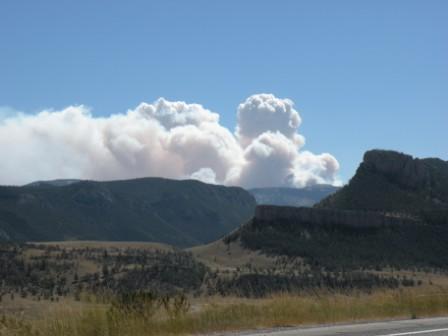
399,168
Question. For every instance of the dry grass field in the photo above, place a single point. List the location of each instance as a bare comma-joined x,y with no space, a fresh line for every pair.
213,314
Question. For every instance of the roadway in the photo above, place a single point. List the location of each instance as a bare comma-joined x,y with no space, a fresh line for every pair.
423,327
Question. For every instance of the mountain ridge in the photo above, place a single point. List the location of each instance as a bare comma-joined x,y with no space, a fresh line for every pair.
181,213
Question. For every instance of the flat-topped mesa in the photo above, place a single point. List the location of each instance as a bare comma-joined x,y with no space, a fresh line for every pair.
401,168
272,214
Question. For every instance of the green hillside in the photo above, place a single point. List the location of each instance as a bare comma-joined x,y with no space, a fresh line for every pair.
182,213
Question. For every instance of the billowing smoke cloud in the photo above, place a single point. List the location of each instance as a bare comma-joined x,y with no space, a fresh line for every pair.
168,139
264,112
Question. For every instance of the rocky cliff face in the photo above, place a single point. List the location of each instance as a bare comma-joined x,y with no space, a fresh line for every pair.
399,168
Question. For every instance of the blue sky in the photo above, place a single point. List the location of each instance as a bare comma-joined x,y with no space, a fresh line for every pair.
362,74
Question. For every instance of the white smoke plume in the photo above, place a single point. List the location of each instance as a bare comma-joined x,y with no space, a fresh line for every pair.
166,139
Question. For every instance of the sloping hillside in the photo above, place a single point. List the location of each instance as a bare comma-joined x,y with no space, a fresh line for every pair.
181,213
307,196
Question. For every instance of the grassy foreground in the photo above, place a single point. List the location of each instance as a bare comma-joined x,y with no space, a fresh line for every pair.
220,314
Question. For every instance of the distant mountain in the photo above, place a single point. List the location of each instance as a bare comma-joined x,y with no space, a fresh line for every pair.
181,213
392,182
307,196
